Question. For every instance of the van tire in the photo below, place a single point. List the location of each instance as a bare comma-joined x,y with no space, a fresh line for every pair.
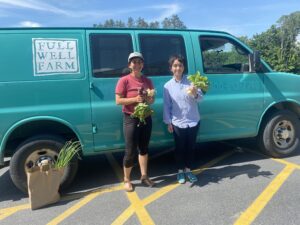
29,150
279,134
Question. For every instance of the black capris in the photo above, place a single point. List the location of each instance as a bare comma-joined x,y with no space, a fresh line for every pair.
136,138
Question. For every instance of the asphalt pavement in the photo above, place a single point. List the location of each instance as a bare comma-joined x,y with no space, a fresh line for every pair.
236,185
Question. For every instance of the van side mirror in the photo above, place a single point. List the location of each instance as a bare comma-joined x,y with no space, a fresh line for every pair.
255,63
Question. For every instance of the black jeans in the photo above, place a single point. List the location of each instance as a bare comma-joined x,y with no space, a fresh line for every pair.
185,141
136,138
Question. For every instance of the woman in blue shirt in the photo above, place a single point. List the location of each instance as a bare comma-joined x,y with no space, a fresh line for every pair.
182,117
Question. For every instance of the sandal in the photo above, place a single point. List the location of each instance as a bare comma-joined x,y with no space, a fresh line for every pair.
146,181
128,186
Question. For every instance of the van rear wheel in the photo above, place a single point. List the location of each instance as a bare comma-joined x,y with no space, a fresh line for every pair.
32,151
280,133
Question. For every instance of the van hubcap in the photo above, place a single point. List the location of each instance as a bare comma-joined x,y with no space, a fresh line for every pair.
284,134
38,155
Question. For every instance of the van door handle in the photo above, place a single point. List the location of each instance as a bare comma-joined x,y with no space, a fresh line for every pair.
91,85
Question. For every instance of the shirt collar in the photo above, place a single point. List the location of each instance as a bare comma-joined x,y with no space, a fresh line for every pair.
181,81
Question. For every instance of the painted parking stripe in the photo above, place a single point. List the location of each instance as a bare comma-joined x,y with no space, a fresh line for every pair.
130,210
262,200
6,212
174,185
287,163
9,211
83,202
282,161
136,203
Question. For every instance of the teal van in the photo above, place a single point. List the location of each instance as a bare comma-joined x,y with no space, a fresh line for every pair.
57,84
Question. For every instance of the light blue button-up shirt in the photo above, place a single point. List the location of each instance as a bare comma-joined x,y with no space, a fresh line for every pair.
180,108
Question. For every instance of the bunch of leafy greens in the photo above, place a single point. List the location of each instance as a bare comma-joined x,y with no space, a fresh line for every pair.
199,81
143,110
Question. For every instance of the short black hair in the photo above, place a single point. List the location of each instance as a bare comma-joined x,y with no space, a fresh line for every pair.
175,57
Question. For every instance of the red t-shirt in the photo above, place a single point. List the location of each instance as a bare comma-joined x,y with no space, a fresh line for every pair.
128,87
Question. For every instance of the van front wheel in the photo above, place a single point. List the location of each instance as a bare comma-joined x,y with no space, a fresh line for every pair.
30,152
279,134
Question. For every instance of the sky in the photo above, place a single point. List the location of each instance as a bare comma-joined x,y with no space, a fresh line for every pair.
238,17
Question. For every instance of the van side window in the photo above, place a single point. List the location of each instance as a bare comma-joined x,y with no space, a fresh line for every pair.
157,50
109,53
221,55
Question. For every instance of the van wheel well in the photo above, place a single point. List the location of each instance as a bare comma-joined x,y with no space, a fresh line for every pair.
290,106
34,128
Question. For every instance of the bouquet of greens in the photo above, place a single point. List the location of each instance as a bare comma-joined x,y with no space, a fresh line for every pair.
66,154
143,110
198,81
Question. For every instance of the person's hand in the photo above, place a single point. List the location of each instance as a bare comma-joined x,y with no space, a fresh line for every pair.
139,99
149,99
194,91
170,128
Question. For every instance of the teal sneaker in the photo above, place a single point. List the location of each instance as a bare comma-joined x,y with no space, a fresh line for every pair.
181,178
192,178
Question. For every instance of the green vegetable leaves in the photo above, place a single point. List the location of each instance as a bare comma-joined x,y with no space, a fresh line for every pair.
143,110
199,81
68,151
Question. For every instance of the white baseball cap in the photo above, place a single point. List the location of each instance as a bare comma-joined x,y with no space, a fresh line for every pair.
135,55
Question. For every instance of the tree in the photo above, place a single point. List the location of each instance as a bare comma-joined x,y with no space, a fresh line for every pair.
289,30
278,44
154,24
130,22
172,22
141,23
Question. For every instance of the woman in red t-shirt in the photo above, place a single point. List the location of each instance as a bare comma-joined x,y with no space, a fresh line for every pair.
136,137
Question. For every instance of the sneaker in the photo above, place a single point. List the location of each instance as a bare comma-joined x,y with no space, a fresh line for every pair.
181,178
192,178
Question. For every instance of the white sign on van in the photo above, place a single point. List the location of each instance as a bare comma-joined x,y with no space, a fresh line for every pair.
55,56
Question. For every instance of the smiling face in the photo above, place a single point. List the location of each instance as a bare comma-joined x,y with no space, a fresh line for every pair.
177,68
136,65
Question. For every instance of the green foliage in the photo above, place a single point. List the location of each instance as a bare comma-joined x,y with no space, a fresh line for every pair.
199,81
142,111
66,154
172,22
278,45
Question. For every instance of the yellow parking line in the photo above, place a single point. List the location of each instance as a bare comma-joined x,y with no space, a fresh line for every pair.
161,192
136,207
287,163
172,186
262,200
83,202
136,203
9,211
124,216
